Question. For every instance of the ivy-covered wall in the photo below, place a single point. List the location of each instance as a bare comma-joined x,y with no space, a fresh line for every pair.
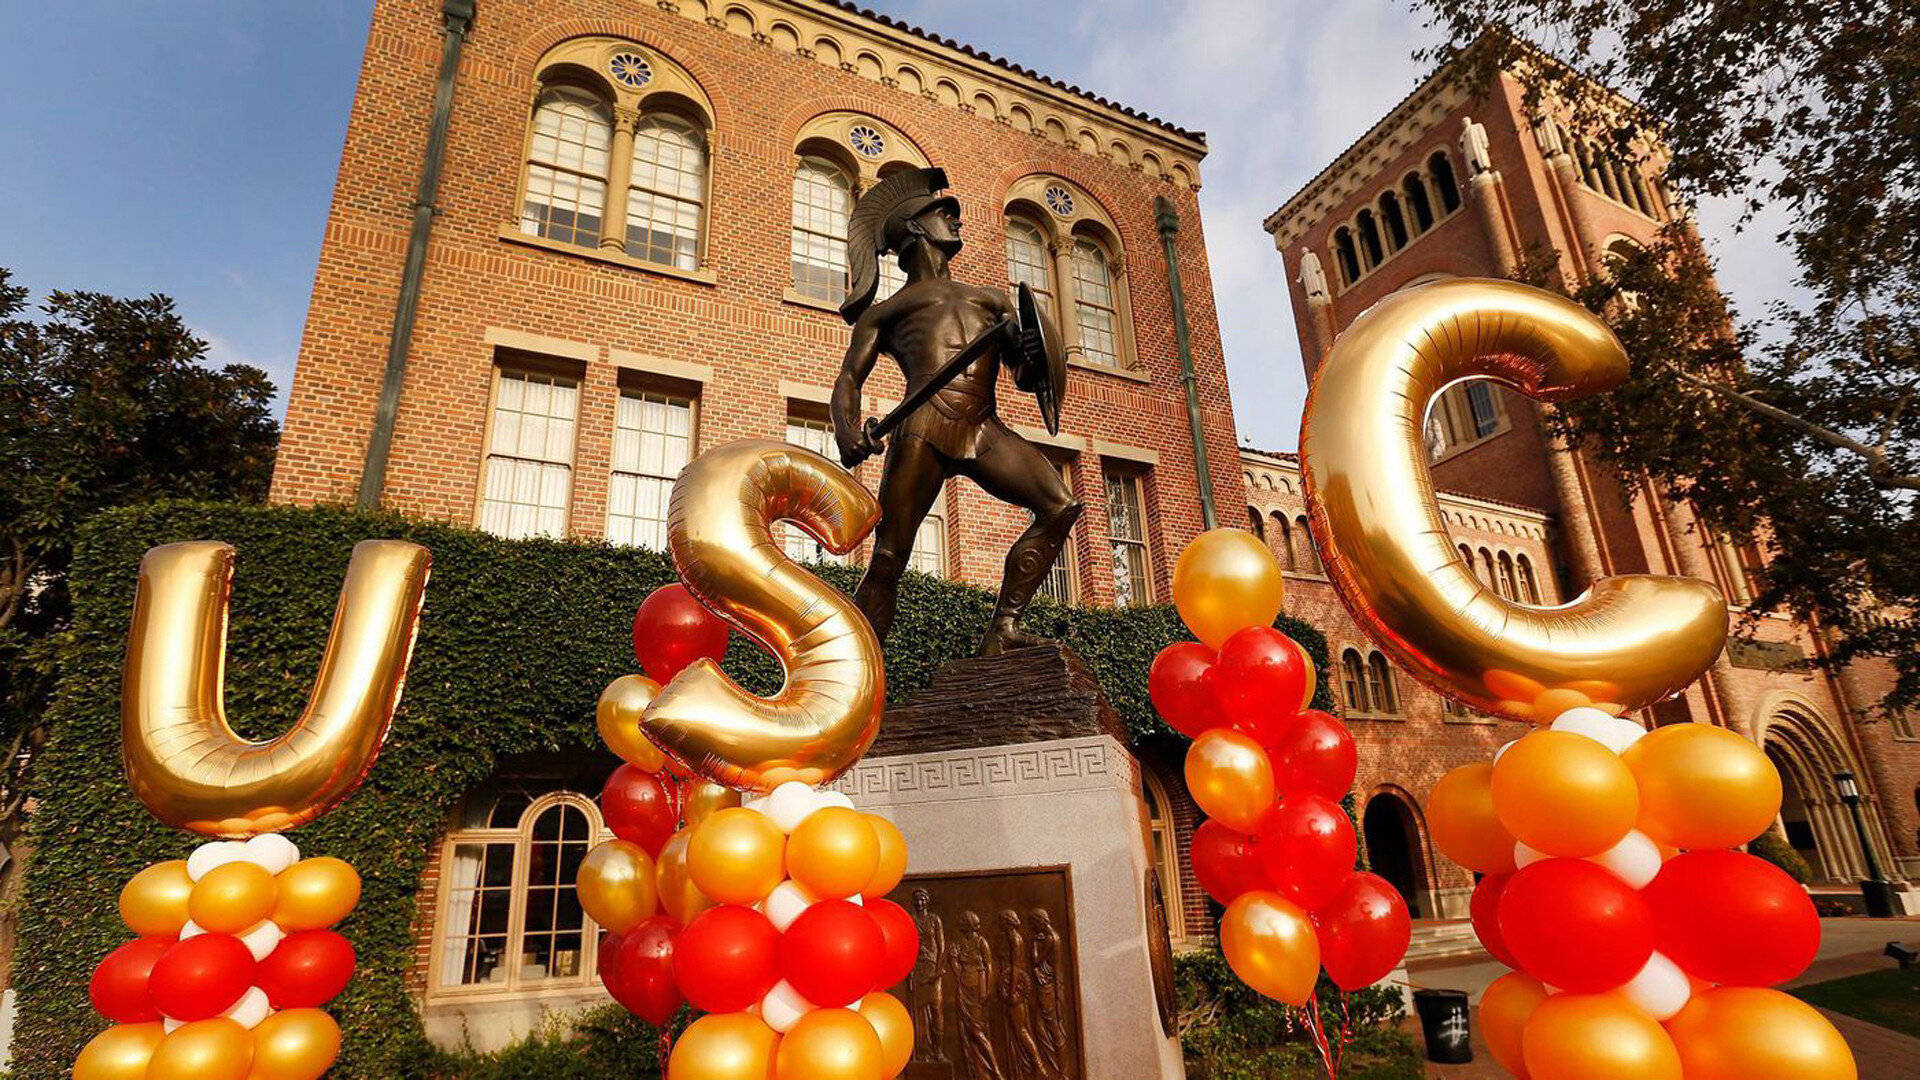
516,641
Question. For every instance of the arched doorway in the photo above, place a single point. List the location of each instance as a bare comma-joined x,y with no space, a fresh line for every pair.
1394,849
1795,821
1808,753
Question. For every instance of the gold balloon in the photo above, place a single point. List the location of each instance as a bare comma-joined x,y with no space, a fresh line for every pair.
737,856
833,853
1564,794
294,1044
316,893
719,529
893,858
1594,1036
1504,1010
892,1023
232,897
153,903
618,714
1269,942
1702,786
1746,1033
724,1046
1466,828
121,1052
1230,778
216,1049
1226,580
704,798
679,896
831,1044
617,885
183,759
1629,641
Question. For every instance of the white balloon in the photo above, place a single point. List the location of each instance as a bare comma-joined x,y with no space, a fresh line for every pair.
191,930
1661,988
1609,731
168,1024
789,804
271,852
834,798
1504,747
263,939
212,854
783,1007
1634,860
1524,856
252,1008
757,804
785,903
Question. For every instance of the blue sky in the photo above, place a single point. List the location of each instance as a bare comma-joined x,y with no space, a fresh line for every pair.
189,147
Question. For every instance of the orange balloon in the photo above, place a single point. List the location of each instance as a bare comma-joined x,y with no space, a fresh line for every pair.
705,798
1226,580
1465,827
893,858
618,885
216,1049
294,1044
830,1044
833,853
1270,944
1504,1010
894,1025
1548,706
316,893
617,715
1596,1037
724,1046
1747,1033
737,856
1564,794
1230,778
121,1052
1702,786
232,898
681,898
153,903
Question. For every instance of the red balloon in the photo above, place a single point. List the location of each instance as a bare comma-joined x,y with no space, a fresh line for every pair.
1731,918
726,959
1177,683
1259,681
1485,911
1314,754
672,630
200,977
833,954
637,968
306,970
1225,863
1364,931
900,942
1307,847
1574,925
119,984
640,807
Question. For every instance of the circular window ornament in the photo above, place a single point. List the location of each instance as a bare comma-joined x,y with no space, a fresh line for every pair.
630,69
1059,200
866,141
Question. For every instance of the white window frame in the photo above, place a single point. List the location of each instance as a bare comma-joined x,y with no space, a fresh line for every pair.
690,193
503,375
675,450
580,174
818,226
1133,486
800,546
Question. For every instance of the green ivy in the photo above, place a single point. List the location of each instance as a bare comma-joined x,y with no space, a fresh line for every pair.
517,639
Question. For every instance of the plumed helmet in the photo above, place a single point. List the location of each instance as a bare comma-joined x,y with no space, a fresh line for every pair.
880,224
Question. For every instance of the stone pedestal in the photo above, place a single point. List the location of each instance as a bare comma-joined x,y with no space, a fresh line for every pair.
1029,871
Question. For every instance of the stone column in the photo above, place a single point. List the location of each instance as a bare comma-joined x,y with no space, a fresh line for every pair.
1688,539
613,219
1062,252
1564,177
1583,540
1487,193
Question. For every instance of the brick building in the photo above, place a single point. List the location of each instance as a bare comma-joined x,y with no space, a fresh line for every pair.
1453,182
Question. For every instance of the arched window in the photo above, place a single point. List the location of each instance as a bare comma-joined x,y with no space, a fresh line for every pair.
1256,524
1417,202
1309,555
1642,195
822,199
1283,533
1584,159
1504,584
1466,556
1380,687
566,189
1529,586
668,189
1396,225
1440,166
1353,678
1093,304
1369,239
1347,255
1027,261
1166,852
1486,566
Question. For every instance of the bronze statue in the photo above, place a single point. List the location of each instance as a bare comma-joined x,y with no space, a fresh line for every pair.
950,340
1017,993
972,960
1048,993
926,984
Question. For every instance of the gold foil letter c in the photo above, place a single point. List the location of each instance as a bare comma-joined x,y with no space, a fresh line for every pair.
182,757
1626,643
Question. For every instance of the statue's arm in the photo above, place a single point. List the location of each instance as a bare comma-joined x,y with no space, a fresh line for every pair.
844,410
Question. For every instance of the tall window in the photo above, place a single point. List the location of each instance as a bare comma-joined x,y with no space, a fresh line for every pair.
1282,535
512,919
1166,851
668,186
1416,192
817,436
1027,262
529,470
652,442
1093,304
1463,415
1346,255
1529,587
1256,524
1309,560
891,278
567,168
1059,582
1353,679
1395,223
1370,252
1440,167
822,199
1380,688
1127,531
1504,584
930,541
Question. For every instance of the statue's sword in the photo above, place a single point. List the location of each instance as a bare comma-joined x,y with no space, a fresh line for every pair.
878,429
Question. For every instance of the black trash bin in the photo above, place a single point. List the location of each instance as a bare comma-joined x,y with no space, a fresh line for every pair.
1447,1025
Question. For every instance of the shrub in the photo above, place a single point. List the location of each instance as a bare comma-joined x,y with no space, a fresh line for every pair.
1770,847
1229,1032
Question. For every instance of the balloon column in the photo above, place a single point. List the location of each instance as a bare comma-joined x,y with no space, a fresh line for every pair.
1643,942
236,949
1277,848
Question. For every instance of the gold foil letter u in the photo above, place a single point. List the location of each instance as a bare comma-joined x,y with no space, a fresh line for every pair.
182,757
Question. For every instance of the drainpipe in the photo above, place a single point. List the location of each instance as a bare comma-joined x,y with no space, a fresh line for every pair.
457,15
1169,221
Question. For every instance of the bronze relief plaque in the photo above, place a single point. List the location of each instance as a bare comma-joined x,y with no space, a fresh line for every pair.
995,992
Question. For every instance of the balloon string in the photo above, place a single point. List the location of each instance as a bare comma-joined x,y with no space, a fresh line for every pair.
1312,1017
666,1048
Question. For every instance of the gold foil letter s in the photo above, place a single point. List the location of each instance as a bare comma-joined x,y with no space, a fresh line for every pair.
182,757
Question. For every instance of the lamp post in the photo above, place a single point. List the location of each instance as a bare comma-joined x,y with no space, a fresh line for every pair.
1876,891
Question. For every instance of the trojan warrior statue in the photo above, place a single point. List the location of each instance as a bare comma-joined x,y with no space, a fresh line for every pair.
950,341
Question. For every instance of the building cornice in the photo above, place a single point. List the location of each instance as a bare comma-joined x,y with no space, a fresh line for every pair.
1290,463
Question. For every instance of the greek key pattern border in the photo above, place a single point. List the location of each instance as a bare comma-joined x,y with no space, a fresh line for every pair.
1089,763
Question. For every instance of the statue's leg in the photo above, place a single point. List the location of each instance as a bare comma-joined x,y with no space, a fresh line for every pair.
1013,470
908,486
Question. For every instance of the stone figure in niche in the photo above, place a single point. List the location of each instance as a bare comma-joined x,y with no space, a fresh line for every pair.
973,969
1312,278
1473,144
926,984
1049,1005
1017,995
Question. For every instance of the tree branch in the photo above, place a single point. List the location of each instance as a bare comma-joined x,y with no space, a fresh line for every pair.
1879,470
